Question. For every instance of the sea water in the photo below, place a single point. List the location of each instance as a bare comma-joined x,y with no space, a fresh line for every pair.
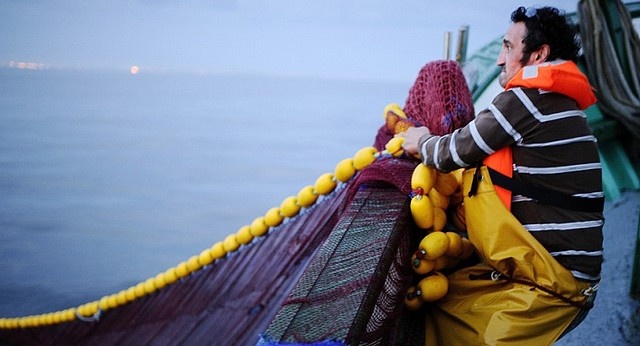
107,178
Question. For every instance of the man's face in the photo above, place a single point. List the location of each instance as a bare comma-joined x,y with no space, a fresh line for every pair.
511,53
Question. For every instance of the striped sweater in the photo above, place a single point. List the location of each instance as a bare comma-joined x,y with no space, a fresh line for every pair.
553,148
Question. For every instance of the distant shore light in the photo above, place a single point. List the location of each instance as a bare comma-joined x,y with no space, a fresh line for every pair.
134,69
26,65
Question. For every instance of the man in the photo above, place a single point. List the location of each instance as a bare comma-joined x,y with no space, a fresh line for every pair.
539,119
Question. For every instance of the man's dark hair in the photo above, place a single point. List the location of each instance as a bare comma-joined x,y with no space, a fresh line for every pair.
548,25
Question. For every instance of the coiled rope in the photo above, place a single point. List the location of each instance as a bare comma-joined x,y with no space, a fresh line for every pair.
618,94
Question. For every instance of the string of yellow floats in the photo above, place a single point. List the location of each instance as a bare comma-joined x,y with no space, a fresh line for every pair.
431,195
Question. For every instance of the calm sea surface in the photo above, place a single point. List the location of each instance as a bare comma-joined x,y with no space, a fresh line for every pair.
107,179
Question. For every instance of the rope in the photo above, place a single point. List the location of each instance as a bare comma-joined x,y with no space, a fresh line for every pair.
439,98
290,207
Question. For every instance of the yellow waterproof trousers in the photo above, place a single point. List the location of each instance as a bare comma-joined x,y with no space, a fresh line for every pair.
505,308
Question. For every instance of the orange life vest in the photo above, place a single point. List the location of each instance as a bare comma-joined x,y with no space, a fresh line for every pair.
559,76
502,161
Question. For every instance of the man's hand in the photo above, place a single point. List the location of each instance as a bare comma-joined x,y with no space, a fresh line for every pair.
411,138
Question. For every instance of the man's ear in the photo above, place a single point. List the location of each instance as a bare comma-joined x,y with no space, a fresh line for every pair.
541,55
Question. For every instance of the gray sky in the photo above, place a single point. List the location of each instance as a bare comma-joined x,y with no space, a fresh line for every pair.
372,39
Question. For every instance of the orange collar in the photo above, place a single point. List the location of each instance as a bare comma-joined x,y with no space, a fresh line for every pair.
559,76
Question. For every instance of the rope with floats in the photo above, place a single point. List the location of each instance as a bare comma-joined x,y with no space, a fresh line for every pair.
290,207
432,194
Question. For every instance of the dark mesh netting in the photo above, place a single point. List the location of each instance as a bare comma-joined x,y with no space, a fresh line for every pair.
381,319
354,287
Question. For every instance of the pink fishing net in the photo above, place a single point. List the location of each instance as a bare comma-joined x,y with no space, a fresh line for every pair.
439,99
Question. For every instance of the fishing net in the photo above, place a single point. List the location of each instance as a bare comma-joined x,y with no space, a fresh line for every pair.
440,98
354,288
338,271
226,303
